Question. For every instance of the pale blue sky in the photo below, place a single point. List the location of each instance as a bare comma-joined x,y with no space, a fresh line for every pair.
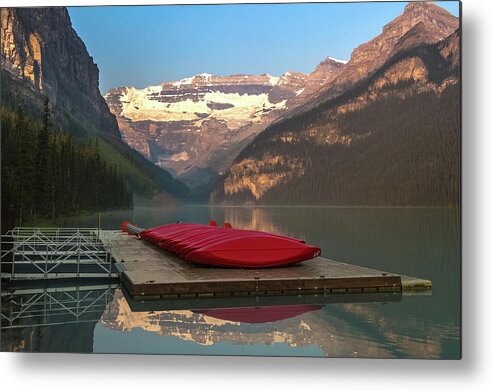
144,45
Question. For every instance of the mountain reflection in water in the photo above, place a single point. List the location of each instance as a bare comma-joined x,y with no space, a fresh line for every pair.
418,242
53,318
336,330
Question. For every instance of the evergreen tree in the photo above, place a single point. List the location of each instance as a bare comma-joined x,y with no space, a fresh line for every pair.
45,173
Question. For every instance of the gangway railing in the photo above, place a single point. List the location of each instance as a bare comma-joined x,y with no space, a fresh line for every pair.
46,253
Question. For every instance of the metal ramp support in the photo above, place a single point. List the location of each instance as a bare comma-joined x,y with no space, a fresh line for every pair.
46,253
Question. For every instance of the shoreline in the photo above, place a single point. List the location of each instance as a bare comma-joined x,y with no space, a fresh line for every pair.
308,206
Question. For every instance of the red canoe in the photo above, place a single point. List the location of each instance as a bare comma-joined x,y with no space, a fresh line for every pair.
228,247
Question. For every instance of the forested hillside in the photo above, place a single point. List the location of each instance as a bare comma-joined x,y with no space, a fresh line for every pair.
66,157
393,139
46,174
411,157
143,177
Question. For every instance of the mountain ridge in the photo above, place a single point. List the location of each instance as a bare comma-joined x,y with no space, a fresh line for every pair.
205,161
196,125
420,22
42,56
295,149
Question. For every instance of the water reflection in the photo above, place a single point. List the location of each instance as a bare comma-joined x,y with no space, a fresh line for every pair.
334,330
55,318
418,242
102,319
260,219
259,314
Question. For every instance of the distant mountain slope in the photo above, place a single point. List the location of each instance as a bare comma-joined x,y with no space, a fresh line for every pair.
431,22
196,126
43,56
392,139
324,74
421,22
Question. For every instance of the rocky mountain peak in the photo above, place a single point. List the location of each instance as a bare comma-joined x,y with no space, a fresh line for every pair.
323,74
436,19
423,6
292,77
420,22
200,123
326,69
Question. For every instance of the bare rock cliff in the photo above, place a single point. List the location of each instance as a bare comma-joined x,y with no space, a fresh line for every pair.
421,22
196,126
42,52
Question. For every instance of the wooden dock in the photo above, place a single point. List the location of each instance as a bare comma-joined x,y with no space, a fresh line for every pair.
150,273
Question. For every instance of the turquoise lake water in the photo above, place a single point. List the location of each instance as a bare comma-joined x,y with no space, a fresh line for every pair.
423,243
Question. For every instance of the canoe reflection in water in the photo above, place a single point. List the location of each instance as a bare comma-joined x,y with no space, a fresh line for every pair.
225,246
259,314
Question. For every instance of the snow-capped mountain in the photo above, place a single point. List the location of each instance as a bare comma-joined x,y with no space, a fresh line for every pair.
367,127
194,127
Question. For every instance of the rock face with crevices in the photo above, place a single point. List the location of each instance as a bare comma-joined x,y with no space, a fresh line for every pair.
43,55
390,138
420,23
324,73
195,127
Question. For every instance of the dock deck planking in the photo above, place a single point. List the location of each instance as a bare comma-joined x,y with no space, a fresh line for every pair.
153,273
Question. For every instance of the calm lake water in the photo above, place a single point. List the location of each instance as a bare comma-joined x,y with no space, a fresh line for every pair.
419,242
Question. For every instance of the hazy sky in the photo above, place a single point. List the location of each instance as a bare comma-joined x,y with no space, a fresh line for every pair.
144,45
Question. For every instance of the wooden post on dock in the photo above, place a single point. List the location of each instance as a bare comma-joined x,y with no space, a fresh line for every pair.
99,223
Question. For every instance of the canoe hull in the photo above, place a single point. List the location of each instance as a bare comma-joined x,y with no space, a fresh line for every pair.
227,247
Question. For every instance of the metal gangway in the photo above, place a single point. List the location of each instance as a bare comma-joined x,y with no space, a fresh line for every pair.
48,306
31,253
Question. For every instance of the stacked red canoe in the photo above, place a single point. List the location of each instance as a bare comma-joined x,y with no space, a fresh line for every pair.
228,247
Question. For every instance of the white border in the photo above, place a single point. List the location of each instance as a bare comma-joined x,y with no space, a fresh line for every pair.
114,372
